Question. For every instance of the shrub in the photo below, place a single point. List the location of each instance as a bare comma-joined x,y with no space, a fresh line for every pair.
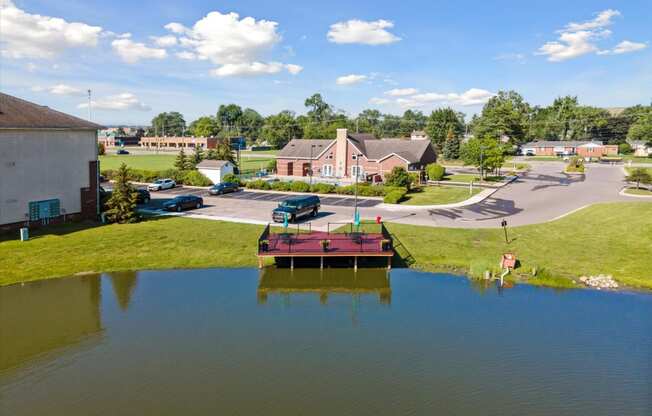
195,178
281,186
625,149
435,172
121,205
300,187
101,149
367,190
394,197
258,184
345,190
575,164
398,177
229,177
271,165
323,188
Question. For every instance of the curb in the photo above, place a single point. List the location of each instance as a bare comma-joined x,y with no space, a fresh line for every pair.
623,193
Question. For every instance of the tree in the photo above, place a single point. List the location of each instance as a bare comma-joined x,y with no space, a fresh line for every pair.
368,121
251,123
197,156
168,124
319,110
211,154
451,147
639,175
229,118
411,120
101,149
279,129
223,151
120,131
507,113
181,162
486,154
441,122
205,126
435,172
398,177
641,129
122,203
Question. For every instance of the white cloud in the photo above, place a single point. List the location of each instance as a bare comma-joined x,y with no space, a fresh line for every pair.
119,102
350,79
26,35
164,41
473,96
236,45
378,101
132,52
188,56
627,46
517,57
61,89
360,31
31,67
577,39
254,68
401,92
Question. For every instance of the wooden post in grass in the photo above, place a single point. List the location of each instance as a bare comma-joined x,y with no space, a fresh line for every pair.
471,188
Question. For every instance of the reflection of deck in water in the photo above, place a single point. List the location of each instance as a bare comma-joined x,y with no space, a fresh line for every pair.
324,282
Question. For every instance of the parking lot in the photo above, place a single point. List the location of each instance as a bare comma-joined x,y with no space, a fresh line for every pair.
270,196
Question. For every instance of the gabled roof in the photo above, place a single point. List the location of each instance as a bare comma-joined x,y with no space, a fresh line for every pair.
16,113
212,164
303,148
560,143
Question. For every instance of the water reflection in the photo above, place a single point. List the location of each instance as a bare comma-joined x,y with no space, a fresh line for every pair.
49,317
124,284
324,283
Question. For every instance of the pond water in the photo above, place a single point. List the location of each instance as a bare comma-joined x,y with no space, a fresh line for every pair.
319,343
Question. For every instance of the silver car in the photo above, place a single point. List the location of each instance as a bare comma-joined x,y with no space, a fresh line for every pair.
161,184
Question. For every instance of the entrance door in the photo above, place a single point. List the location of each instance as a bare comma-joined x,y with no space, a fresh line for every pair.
306,169
290,168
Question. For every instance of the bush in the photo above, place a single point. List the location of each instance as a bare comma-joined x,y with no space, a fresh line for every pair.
394,197
345,190
271,165
229,177
195,178
368,190
435,172
323,188
625,149
281,186
258,184
300,187
101,149
398,177
575,164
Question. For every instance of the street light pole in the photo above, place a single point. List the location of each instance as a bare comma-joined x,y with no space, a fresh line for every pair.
481,163
312,146
357,173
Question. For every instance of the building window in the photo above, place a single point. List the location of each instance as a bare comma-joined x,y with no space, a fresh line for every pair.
327,170
357,171
354,156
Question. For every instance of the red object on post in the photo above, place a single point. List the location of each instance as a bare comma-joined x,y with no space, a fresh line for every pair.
508,261
378,219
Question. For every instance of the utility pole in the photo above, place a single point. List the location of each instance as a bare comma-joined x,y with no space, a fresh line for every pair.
356,217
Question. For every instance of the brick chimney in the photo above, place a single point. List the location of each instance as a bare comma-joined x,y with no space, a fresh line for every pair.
341,153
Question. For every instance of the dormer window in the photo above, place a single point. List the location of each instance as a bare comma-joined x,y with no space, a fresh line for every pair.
354,157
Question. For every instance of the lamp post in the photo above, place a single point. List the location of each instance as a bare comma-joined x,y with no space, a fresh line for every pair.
312,146
356,218
481,162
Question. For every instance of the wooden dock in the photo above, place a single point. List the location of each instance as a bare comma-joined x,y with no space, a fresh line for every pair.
344,242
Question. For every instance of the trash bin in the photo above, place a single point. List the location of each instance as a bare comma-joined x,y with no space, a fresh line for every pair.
24,234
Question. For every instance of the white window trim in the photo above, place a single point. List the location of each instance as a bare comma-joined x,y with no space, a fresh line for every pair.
330,170
360,170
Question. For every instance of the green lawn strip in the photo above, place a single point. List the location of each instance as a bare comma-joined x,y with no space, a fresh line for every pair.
630,169
437,195
607,238
146,162
467,178
259,152
641,191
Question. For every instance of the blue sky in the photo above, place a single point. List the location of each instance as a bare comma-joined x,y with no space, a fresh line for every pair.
272,55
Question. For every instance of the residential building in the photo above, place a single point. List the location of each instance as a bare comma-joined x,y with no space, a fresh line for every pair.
179,142
419,135
351,155
641,148
585,149
215,170
48,165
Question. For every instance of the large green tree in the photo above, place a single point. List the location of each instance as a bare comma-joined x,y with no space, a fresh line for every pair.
507,113
206,126
168,124
229,117
251,124
280,128
318,109
486,154
412,120
121,205
641,127
441,122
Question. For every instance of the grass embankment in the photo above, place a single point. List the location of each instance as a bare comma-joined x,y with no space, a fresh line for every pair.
163,162
437,195
640,191
608,238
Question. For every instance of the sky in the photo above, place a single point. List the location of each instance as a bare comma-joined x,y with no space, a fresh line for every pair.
140,58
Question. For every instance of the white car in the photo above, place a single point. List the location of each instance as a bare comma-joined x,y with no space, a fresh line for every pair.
161,184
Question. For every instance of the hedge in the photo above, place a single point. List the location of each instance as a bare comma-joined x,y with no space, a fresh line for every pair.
394,197
258,184
300,187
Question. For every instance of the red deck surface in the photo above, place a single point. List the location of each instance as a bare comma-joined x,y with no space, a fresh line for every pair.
309,244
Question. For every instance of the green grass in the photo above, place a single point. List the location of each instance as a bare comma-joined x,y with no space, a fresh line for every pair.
639,159
629,170
259,152
437,195
163,162
606,238
641,191
467,178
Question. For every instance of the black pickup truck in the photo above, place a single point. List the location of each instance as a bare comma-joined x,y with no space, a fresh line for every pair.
296,207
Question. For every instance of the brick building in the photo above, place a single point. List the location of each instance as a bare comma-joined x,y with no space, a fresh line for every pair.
585,149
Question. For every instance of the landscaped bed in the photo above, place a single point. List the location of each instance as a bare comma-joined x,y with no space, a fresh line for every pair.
607,238
438,195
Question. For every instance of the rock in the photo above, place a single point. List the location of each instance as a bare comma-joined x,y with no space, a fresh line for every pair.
600,281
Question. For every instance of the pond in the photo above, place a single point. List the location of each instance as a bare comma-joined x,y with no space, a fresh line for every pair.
276,342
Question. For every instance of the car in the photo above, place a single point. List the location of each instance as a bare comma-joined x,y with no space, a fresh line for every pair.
101,178
182,202
161,184
143,196
223,188
296,207
122,152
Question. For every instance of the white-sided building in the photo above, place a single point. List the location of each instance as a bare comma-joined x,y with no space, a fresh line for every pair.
48,165
215,170
641,148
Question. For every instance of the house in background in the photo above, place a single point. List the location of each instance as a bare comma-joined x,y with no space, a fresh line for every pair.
351,155
419,135
215,170
48,165
585,149
641,148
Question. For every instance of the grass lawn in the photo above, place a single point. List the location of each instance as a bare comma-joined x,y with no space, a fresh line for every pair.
639,159
437,195
607,238
467,178
163,162
259,152
640,191
649,170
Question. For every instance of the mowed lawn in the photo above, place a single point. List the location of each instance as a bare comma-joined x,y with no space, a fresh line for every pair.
163,162
437,195
607,238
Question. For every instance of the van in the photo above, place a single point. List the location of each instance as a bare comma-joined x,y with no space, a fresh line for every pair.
296,207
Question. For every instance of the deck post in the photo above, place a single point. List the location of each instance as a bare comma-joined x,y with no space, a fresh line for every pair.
321,262
292,263
260,262
389,263
355,263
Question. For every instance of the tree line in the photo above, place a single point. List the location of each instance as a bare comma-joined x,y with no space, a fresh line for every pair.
505,116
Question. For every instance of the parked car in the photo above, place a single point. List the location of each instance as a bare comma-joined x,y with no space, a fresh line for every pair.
296,207
182,202
102,178
143,196
122,152
223,188
161,184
